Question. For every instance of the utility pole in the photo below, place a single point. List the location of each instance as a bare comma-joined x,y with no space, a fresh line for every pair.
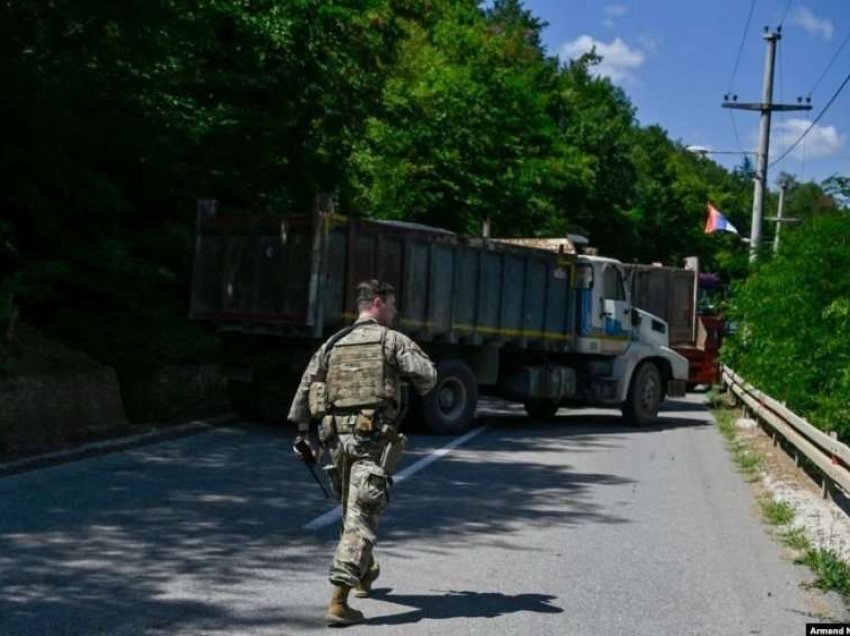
765,107
784,184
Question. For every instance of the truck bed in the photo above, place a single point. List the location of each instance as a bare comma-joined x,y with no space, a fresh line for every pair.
296,275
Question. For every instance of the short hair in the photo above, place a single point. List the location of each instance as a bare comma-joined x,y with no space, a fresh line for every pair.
369,290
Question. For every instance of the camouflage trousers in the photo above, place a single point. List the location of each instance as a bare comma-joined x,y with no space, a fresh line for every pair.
362,489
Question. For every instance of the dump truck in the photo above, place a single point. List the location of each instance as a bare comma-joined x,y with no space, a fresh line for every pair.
535,324
684,297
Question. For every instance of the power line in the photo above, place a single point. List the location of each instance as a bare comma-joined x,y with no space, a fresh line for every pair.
735,128
831,62
814,123
741,46
785,13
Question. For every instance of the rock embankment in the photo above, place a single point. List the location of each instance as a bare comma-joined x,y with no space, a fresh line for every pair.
53,397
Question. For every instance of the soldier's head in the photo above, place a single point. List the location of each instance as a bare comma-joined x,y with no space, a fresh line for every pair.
376,299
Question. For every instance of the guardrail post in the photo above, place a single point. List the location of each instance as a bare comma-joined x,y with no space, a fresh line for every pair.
826,483
826,488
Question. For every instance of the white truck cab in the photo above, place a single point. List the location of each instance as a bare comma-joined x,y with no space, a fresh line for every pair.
636,341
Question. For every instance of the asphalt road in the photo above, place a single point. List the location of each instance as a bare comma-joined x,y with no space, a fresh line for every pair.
577,526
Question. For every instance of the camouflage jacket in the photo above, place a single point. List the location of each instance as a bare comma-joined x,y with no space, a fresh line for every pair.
400,352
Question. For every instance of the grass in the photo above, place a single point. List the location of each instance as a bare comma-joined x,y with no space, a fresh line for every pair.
796,539
831,573
726,423
749,462
776,513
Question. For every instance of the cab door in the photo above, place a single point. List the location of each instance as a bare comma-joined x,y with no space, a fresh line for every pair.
614,317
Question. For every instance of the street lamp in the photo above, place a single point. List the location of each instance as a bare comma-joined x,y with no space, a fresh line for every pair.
702,151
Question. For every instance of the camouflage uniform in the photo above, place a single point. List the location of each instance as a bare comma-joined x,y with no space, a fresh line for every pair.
354,453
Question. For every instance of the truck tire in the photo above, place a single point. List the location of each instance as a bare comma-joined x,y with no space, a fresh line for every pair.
449,408
541,409
644,396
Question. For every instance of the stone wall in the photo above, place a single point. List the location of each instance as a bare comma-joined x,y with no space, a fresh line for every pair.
176,391
46,411
52,396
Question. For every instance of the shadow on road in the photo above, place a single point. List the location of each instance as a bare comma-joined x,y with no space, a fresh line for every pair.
155,537
112,543
463,604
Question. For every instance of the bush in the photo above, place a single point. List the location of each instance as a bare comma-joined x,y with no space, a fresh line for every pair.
793,314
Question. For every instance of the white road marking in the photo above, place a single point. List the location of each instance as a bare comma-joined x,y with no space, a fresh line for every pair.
333,515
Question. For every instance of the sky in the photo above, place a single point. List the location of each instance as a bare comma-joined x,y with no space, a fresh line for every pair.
676,59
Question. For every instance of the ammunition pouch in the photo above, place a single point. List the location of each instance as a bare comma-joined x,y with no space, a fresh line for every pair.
317,400
365,422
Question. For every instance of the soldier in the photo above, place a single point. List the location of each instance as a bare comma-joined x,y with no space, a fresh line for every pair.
353,383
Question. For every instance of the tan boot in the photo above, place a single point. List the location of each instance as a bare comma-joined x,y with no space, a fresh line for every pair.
365,588
339,613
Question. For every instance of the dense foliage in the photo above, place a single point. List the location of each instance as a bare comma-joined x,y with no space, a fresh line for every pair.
118,116
793,319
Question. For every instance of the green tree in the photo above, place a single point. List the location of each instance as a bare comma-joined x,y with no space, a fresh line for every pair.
793,340
464,130
118,116
839,188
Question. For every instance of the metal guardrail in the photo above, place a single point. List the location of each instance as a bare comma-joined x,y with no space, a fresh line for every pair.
830,456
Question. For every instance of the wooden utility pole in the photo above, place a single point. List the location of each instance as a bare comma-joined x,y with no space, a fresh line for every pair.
765,107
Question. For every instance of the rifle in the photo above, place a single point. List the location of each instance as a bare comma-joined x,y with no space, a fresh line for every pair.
302,448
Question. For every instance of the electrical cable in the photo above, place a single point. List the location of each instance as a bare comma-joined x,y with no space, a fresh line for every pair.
829,66
785,13
814,123
735,128
741,46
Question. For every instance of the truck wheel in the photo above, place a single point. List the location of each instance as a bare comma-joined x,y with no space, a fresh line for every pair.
541,409
449,408
645,395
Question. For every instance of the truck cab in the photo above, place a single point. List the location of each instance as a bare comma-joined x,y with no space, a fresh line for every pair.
610,326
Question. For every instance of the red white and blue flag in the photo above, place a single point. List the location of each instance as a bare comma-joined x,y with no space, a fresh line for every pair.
717,222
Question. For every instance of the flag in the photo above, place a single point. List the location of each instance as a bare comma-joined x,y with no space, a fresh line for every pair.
716,222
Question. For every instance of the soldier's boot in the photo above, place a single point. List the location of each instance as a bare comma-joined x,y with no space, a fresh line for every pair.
339,613
365,588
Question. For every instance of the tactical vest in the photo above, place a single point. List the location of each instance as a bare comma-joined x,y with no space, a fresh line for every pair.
358,375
